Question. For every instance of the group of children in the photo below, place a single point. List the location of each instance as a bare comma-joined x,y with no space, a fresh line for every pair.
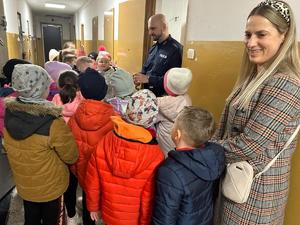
100,131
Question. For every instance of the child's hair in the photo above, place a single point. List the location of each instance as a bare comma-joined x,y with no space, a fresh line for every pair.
68,86
83,60
196,125
68,44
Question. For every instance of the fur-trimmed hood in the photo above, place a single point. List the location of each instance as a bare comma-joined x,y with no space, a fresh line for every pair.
34,109
24,119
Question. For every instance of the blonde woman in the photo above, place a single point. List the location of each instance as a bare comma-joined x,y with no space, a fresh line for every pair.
262,112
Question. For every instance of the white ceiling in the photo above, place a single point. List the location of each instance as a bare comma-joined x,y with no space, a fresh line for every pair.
38,6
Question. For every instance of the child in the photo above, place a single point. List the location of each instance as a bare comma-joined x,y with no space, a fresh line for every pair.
39,144
80,51
55,68
69,95
7,70
69,98
83,62
176,84
68,44
108,72
93,56
187,179
89,124
121,87
69,57
104,62
53,55
7,90
120,174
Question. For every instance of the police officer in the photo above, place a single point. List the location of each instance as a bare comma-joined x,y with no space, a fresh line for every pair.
165,54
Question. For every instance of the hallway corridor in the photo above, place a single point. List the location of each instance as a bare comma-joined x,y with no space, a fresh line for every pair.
16,211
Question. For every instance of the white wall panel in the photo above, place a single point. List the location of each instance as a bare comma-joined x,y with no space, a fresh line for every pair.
216,20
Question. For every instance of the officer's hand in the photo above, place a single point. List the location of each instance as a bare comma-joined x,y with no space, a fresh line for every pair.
140,78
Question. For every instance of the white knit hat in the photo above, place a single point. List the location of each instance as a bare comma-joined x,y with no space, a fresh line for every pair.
177,81
53,54
103,54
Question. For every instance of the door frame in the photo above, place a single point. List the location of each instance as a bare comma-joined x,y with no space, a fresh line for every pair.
149,11
81,34
95,33
110,31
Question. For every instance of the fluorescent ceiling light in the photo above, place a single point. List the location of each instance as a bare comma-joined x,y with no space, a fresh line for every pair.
108,13
56,6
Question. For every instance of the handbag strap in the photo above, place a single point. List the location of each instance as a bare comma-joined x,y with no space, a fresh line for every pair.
284,147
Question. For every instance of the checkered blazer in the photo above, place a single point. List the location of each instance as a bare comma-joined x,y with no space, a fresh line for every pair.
257,134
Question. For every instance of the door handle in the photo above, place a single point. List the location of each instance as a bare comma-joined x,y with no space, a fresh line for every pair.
3,22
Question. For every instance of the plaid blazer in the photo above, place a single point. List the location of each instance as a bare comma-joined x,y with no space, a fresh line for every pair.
257,134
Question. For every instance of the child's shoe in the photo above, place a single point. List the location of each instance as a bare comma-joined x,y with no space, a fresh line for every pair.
73,220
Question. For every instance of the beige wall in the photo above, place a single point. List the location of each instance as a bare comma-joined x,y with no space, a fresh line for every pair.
13,45
214,72
216,33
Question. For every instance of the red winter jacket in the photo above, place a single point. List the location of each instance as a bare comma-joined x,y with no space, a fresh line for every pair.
89,124
120,175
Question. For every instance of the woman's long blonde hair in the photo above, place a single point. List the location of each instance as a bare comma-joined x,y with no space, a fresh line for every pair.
286,59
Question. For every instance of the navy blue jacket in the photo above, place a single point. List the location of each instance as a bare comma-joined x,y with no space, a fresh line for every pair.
185,184
161,57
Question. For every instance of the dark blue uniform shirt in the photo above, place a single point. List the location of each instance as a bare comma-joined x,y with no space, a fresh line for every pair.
161,57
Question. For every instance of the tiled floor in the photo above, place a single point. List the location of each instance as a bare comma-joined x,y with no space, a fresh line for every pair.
4,207
16,211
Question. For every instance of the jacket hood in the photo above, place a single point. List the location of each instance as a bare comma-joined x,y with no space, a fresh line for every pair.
23,119
170,106
92,114
126,150
206,163
69,109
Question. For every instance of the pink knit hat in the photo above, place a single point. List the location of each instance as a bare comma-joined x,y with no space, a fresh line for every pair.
55,68
177,81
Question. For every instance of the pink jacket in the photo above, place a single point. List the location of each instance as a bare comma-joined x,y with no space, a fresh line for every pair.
70,108
2,112
168,109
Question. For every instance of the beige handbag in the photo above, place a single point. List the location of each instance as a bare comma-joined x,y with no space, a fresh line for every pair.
238,179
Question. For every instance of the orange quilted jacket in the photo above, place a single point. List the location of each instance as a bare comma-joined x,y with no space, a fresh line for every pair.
120,175
89,124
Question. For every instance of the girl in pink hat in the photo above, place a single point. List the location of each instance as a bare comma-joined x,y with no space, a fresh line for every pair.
176,84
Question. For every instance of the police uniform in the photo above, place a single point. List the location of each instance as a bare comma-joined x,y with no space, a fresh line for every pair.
161,57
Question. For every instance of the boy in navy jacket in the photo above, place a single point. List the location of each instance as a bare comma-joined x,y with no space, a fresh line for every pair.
187,179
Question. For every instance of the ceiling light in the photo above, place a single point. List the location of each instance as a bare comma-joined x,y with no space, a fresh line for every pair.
108,13
56,6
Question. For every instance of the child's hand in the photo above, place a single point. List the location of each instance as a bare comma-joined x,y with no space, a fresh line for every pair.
95,216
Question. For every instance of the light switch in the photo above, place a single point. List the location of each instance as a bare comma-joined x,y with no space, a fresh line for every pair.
191,53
